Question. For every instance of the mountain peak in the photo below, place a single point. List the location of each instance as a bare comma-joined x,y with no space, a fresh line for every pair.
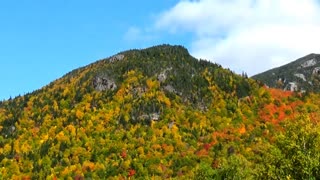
168,48
157,113
299,75
311,55
164,49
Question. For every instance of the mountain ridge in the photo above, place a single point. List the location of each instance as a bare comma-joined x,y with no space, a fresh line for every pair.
299,75
159,113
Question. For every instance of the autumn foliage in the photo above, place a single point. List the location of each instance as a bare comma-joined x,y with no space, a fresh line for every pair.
169,116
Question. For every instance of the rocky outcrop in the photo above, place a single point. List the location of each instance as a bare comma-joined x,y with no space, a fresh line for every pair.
301,76
171,89
316,71
309,63
104,83
162,77
151,116
291,86
116,58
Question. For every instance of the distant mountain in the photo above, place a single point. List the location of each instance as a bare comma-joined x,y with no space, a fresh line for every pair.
300,75
159,113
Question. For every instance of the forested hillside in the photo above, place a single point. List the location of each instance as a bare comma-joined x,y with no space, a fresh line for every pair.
159,113
300,75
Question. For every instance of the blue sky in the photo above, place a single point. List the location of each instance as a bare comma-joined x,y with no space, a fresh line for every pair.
41,40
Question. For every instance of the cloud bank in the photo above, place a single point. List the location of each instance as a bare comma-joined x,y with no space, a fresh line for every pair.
246,35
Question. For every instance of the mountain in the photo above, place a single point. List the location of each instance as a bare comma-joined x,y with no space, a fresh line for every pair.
300,75
159,113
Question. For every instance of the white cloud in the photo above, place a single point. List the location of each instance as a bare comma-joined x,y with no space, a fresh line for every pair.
247,35
132,34
135,34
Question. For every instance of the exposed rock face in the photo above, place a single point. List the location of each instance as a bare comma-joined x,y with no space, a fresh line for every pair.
309,63
316,71
103,83
152,117
117,57
292,86
171,89
301,76
155,116
162,77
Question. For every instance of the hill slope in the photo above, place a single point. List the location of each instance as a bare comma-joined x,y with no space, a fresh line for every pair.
300,75
159,113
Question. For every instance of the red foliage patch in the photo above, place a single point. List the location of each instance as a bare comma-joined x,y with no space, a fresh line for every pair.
123,154
278,110
206,146
202,153
132,172
278,94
